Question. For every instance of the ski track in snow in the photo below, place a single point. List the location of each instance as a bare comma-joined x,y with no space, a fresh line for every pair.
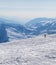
32,51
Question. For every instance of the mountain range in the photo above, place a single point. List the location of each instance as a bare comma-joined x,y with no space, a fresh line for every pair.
10,30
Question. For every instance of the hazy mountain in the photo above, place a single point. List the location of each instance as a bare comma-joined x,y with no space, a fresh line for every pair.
16,31
38,22
42,25
3,33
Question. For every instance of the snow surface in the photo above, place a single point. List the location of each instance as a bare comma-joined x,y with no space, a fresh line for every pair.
32,51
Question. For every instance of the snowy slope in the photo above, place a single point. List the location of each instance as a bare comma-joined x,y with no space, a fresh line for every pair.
14,35
32,51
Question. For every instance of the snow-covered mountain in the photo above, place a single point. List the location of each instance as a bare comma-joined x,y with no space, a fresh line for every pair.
11,30
42,25
16,31
32,51
37,22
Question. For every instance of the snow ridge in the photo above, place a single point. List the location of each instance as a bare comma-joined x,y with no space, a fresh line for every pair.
32,51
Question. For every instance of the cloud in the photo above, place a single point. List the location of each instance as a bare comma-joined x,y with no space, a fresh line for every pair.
28,8
28,14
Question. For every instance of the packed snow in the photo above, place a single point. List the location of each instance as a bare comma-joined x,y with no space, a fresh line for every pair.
32,51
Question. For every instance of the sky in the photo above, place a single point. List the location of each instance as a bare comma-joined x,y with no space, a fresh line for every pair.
27,9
